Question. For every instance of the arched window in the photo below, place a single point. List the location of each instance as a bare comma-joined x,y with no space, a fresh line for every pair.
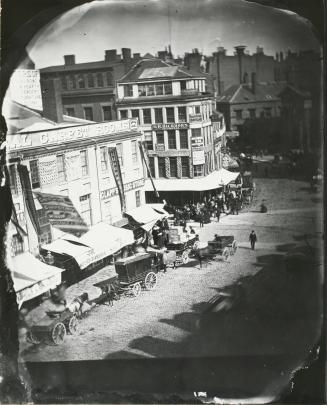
100,79
90,80
81,82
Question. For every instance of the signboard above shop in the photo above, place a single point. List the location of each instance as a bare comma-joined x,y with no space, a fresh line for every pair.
172,125
25,140
195,117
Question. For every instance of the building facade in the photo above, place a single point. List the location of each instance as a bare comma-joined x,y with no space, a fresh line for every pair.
74,161
174,110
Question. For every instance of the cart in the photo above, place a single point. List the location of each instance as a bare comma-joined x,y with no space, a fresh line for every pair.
53,328
179,252
223,245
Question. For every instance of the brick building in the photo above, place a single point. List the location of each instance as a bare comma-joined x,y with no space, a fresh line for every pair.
174,110
88,89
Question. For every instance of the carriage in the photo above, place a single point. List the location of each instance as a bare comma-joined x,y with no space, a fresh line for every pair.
53,328
179,252
223,246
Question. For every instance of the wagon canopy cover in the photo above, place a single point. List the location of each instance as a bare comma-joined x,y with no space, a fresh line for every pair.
146,214
32,277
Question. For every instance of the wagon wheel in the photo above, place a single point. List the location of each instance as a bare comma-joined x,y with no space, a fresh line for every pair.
185,257
31,338
72,325
136,289
225,254
150,281
234,247
58,333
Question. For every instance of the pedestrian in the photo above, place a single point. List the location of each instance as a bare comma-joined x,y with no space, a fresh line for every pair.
201,218
253,239
218,213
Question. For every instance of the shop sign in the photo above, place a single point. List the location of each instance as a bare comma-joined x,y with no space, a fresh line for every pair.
198,155
172,125
111,192
197,141
160,147
195,117
115,166
69,134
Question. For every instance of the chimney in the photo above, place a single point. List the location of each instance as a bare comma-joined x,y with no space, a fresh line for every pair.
126,53
240,52
277,56
259,50
281,56
253,82
221,50
110,55
51,99
162,55
69,60
136,55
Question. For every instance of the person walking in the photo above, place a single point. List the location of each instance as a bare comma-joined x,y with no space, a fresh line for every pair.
218,212
253,239
201,218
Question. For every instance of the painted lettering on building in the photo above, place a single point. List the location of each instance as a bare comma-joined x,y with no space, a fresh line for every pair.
111,192
173,125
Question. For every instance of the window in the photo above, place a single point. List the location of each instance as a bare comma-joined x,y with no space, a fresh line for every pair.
70,111
81,82
134,152
171,140
168,88
64,82
183,85
181,114
100,79
267,112
238,114
252,112
123,114
128,90
110,79
35,177
107,113
183,138
104,158
151,166
160,138
173,167
86,212
88,113
72,82
147,116
158,115
197,109
138,198
17,244
150,90
107,211
170,114
185,166
196,132
119,148
61,169
84,163
161,167
198,170
159,89
148,140
136,114
90,80
13,179
142,90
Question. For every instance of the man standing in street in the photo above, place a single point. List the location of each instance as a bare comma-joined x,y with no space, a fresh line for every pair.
253,239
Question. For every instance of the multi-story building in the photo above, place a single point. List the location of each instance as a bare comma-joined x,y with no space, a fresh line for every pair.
88,89
174,110
73,161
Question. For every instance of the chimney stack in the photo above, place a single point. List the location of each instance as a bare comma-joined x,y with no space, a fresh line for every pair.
126,53
281,56
253,82
110,55
260,50
136,55
69,60
240,52
51,99
162,55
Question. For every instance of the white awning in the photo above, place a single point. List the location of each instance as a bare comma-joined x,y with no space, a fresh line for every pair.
32,277
214,180
102,240
146,213
147,227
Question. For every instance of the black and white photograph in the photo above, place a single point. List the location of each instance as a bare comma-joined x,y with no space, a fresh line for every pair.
162,205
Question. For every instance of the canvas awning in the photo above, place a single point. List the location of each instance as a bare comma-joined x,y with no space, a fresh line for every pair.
146,213
102,240
214,180
32,277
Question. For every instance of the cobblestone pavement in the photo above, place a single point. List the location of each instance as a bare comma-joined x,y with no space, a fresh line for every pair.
162,323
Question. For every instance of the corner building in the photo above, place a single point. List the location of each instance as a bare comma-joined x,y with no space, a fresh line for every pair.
174,110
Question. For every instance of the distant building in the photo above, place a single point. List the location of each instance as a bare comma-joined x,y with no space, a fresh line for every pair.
174,109
88,89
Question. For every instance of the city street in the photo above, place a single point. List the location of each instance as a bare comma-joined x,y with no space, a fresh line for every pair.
162,323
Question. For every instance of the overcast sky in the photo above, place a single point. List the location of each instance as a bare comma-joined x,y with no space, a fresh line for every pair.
149,26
